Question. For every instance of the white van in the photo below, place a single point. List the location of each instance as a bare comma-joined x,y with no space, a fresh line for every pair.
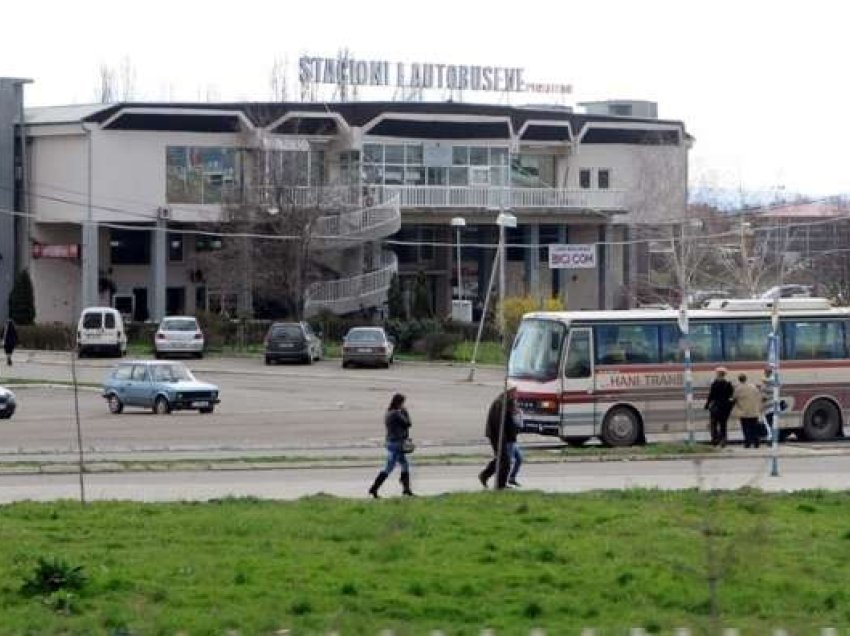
101,329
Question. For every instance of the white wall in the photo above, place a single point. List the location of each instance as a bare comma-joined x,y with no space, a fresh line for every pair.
128,174
654,178
56,282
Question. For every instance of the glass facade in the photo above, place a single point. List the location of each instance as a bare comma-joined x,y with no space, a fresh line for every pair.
407,164
198,175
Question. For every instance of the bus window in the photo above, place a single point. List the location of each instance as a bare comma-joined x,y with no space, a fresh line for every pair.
745,341
814,340
626,344
537,350
706,343
578,357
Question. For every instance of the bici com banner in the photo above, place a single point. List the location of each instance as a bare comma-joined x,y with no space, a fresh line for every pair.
572,256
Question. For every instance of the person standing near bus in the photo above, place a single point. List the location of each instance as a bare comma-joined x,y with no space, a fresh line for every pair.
499,423
719,405
766,388
747,401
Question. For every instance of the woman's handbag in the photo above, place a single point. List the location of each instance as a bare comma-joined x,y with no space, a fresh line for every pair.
407,446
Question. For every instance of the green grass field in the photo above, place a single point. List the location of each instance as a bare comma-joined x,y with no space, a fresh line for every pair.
509,561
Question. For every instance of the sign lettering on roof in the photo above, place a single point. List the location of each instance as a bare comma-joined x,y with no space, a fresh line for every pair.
352,72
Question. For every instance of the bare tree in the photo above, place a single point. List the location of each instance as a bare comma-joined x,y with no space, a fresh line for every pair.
127,75
279,79
113,84
106,85
276,211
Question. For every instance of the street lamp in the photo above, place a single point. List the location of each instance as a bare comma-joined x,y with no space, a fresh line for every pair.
457,223
504,220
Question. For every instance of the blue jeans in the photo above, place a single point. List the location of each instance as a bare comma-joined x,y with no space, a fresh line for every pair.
516,460
396,456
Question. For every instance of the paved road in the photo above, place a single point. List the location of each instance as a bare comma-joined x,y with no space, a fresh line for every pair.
288,408
832,473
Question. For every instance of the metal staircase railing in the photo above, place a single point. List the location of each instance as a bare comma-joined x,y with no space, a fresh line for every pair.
337,231
347,295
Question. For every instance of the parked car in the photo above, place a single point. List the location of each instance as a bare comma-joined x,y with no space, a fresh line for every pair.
788,291
7,403
179,334
161,386
367,345
292,341
101,330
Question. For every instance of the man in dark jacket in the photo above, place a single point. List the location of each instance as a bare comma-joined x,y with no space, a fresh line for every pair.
719,405
497,424
10,340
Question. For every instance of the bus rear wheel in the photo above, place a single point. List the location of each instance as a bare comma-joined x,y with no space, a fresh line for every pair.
621,427
822,421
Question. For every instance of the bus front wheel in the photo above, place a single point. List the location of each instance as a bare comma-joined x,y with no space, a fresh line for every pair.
822,421
621,427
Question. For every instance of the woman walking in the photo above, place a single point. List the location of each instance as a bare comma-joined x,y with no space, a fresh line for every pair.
397,422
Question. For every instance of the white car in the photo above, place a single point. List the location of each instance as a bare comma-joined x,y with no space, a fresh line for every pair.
179,335
7,403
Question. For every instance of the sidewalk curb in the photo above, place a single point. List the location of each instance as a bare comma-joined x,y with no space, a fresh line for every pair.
65,467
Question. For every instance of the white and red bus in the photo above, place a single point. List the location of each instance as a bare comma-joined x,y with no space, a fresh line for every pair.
619,375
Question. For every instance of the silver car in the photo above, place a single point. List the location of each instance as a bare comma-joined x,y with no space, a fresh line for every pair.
179,335
7,403
367,345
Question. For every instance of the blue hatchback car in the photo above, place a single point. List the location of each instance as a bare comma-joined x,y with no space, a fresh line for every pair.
161,386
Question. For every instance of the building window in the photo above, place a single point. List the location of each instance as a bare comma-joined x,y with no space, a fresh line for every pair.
201,174
207,243
129,247
603,179
533,171
349,167
175,248
584,178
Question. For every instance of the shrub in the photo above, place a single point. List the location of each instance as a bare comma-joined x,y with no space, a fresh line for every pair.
421,297
408,332
22,300
395,298
517,306
53,575
437,345
56,337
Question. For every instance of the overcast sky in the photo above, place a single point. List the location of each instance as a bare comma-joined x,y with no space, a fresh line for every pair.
760,84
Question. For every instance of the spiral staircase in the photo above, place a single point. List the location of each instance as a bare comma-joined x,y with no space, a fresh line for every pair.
339,243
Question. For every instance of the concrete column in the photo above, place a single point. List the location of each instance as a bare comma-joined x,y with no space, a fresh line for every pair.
89,296
532,261
11,100
563,274
159,258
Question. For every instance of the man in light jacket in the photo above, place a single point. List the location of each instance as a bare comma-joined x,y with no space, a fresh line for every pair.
747,400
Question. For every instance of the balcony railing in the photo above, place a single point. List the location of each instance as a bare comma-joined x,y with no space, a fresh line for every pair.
433,196
364,224
496,197
350,294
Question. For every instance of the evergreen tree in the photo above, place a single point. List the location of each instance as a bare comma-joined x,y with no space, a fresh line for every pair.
421,297
395,299
22,300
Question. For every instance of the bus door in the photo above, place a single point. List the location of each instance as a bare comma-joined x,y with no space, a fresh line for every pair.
578,399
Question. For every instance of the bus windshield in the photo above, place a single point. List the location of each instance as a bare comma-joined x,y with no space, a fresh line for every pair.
537,350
